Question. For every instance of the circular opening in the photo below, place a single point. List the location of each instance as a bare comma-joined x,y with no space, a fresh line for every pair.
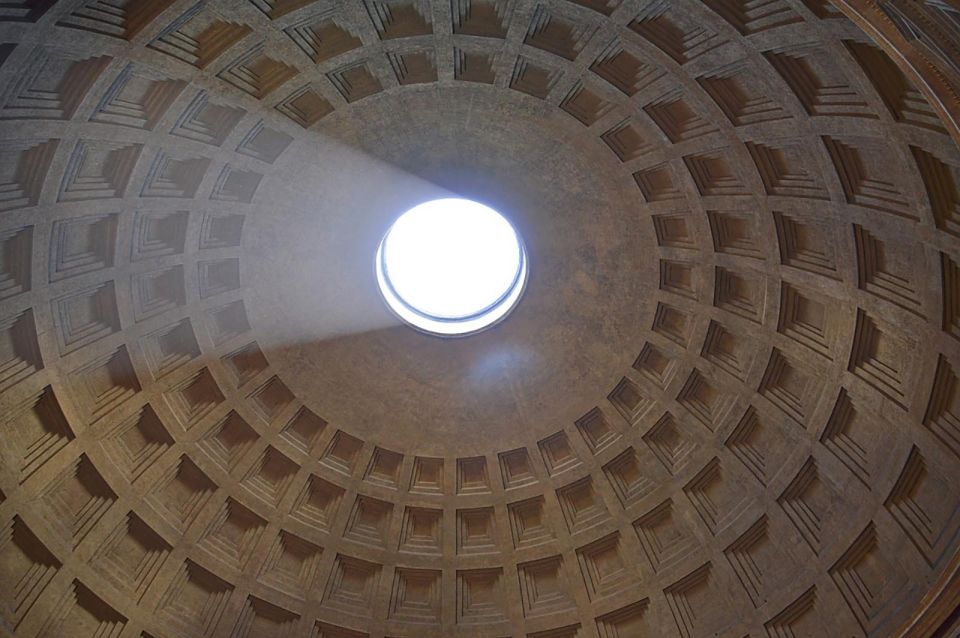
451,267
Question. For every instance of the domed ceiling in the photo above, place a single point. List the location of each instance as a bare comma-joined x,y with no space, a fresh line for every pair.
727,404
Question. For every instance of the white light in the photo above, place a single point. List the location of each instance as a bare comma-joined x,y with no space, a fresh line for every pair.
451,266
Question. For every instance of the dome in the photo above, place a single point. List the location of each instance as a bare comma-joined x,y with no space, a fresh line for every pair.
720,397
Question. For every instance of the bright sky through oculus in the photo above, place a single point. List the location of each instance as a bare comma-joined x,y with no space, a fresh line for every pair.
451,266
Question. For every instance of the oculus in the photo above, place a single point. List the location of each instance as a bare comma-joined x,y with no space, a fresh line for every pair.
451,267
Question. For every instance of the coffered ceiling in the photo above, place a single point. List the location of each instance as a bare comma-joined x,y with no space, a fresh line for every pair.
727,405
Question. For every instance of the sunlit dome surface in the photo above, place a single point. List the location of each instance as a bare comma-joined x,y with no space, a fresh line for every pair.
451,266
